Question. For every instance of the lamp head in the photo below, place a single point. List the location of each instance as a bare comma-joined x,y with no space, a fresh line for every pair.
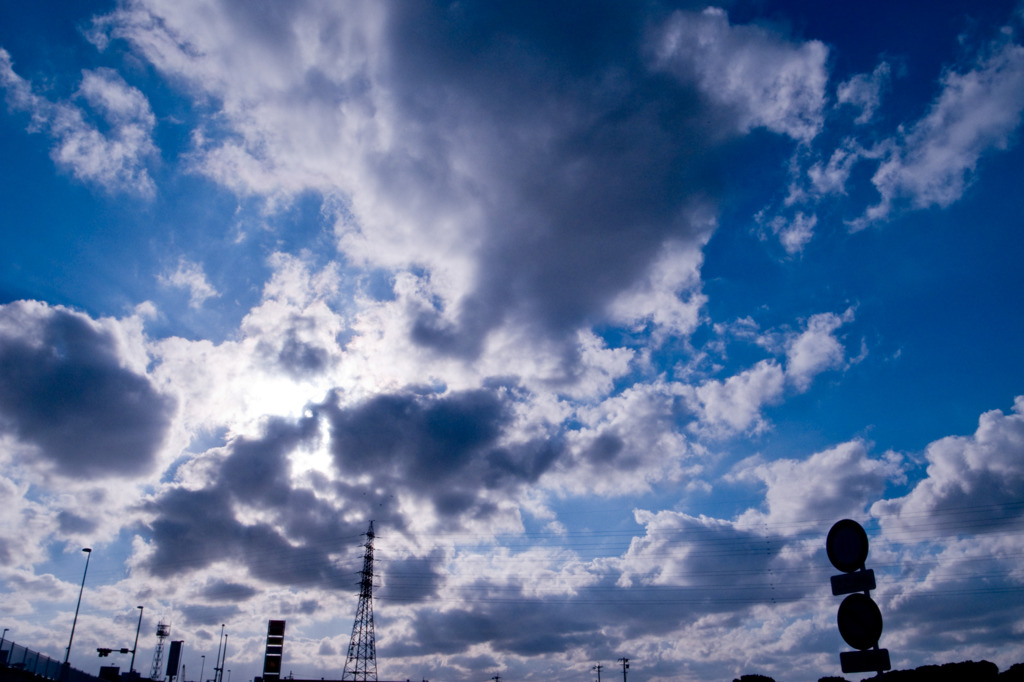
87,549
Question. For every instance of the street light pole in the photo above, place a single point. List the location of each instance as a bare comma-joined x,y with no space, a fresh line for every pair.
222,646
216,666
131,668
88,555
223,660
202,668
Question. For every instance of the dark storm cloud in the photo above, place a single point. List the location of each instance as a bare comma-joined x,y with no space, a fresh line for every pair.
683,571
64,389
73,524
294,356
592,160
429,439
447,448
522,626
257,473
305,606
704,566
511,621
192,529
256,470
413,579
605,448
938,618
201,614
222,590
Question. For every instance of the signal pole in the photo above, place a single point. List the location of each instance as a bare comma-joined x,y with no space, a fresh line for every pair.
625,667
598,668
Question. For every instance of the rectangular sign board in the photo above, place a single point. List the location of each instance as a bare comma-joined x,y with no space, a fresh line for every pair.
858,581
274,651
868,661
174,659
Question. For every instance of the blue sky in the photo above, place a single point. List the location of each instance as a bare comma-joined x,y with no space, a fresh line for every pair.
603,313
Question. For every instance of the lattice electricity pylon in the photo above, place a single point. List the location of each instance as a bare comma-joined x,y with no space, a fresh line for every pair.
361,663
163,631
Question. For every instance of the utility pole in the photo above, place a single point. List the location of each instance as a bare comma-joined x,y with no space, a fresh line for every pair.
598,668
625,667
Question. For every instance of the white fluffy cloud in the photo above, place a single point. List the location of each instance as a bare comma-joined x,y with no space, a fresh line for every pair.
190,276
864,91
930,162
978,110
668,297
958,537
972,484
114,157
735,404
768,81
827,486
793,233
632,434
816,349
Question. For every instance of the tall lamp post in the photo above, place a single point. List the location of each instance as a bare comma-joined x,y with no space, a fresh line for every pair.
131,668
88,555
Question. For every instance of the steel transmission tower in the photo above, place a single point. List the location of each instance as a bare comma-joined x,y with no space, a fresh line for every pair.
362,650
163,631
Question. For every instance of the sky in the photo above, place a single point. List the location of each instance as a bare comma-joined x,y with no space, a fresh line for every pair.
603,313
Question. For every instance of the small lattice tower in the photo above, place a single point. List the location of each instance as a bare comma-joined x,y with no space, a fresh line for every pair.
361,663
163,631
